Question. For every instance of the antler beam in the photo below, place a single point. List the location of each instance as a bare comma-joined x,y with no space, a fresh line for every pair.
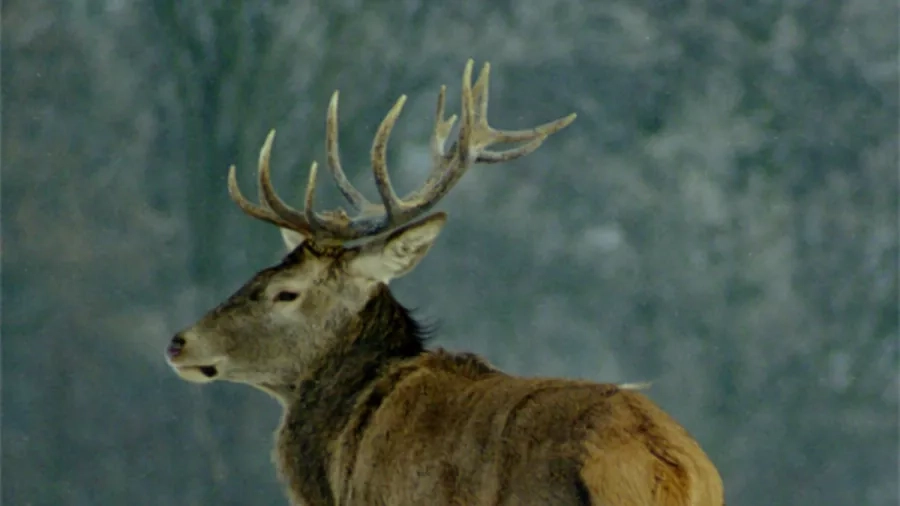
472,145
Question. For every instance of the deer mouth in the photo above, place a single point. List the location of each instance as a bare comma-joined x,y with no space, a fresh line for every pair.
198,373
209,371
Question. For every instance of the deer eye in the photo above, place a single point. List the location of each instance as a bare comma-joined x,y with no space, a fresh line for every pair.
285,296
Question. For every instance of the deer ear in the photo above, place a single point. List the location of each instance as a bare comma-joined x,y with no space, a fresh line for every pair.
398,253
291,238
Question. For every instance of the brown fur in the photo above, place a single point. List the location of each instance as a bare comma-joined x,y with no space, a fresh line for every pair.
384,422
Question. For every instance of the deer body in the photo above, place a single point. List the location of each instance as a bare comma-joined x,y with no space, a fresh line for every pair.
430,427
373,417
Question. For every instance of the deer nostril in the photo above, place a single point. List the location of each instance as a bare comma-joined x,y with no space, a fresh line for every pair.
175,346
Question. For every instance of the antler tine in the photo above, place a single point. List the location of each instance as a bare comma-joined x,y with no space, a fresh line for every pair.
294,218
534,137
480,94
392,204
317,224
290,220
467,118
250,208
357,200
329,228
442,128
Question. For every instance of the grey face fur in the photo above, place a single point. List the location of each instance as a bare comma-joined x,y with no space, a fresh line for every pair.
270,331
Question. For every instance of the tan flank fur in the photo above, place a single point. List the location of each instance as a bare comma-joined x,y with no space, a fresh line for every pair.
372,417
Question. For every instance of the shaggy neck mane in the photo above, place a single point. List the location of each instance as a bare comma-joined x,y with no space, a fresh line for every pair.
323,403
384,326
382,333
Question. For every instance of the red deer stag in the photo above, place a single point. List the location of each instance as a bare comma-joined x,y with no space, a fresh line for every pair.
371,416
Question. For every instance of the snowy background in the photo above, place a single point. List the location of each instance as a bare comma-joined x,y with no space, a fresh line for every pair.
721,220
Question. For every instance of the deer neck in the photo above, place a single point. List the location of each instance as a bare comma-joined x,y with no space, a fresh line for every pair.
382,332
323,404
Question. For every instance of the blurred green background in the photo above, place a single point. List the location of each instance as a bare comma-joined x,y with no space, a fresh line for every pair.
720,220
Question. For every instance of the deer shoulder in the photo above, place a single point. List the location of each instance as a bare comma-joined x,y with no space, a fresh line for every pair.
370,414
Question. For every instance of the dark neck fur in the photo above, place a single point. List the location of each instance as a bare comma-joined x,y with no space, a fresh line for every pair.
383,334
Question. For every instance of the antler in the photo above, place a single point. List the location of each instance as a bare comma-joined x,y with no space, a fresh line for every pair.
472,145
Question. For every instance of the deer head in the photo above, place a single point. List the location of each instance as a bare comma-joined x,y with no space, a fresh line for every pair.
271,331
